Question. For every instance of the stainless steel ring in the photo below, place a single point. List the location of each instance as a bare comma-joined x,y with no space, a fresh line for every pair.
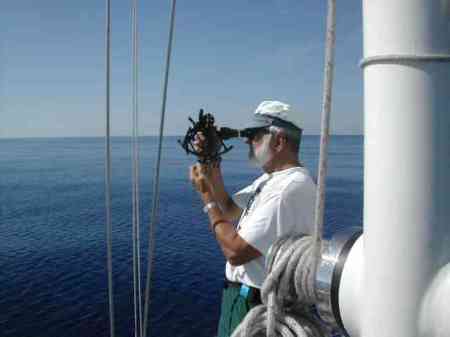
334,255
404,58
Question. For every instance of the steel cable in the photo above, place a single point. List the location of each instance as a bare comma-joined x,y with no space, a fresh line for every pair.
137,292
108,170
155,203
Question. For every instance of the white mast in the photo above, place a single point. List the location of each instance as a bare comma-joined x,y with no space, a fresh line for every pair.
407,166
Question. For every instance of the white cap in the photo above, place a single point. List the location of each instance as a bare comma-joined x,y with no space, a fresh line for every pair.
274,113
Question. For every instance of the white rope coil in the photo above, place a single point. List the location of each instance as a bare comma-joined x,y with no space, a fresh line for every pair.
287,325
289,268
287,294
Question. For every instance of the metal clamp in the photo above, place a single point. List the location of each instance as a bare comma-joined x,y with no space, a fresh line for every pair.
329,272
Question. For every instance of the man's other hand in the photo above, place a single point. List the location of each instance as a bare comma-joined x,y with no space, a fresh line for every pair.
199,142
200,177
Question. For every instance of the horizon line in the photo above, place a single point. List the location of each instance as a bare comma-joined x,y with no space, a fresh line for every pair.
128,136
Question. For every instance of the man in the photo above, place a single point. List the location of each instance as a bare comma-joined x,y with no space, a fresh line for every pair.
279,202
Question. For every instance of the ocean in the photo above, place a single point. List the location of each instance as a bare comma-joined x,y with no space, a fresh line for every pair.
53,278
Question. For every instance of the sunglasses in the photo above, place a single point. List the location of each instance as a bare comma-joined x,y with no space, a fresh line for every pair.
252,133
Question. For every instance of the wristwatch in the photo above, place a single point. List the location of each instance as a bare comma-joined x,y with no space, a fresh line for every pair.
209,205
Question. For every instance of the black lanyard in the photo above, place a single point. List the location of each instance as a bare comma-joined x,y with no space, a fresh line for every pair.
250,202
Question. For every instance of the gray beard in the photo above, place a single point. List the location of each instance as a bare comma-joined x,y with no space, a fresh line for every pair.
262,158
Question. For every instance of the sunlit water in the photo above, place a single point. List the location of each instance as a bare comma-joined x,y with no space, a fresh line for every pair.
52,228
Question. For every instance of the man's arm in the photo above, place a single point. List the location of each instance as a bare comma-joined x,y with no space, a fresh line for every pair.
231,211
235,249
213,173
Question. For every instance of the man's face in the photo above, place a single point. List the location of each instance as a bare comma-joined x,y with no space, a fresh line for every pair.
260,151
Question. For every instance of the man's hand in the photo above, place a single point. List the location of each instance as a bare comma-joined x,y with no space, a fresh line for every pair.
199,142
207,148
200,176
208,181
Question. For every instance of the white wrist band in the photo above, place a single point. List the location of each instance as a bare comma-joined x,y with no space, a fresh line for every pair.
209,205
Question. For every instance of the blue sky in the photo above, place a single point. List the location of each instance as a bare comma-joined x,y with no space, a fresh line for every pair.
227,57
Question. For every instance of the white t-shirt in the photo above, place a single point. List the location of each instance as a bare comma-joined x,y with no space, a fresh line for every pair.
275,204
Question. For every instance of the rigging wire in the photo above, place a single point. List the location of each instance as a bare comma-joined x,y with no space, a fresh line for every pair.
137,289
325,133
289,287
108,170
155,203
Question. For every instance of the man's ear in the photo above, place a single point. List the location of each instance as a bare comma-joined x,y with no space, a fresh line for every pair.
280,142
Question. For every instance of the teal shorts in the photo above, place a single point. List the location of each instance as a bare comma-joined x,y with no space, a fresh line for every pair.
235,306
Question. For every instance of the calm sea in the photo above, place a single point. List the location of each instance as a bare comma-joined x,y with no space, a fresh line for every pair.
53,279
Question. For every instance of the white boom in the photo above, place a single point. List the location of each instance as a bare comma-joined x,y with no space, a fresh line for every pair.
407,167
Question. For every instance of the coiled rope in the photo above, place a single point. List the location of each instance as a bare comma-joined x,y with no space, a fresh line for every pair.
287,294
108,170
155,205
289,289
137,289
